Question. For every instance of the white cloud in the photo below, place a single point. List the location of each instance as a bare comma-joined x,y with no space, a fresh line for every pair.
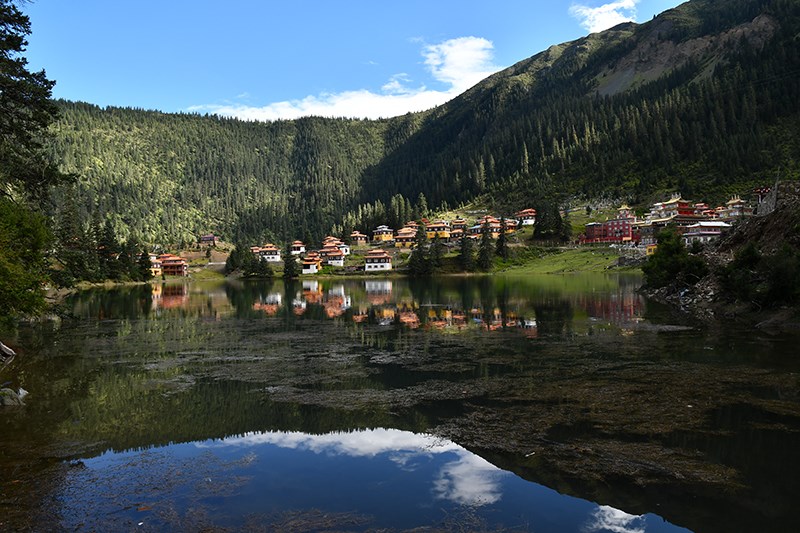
457,63
470,480
606,518
461,62
605,16
464,478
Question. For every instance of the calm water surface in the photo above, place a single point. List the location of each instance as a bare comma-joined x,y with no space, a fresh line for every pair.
478,404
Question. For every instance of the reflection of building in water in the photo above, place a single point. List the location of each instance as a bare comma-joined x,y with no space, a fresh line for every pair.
408,317
529,327
312,292
191,300
379,292
618,308
384,315
338,292
174,296
336,301
156,291
270,304
299,306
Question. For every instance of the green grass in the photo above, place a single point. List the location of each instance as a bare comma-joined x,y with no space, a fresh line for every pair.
559,261
206,274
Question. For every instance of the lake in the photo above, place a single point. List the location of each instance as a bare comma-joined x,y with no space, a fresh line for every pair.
547,404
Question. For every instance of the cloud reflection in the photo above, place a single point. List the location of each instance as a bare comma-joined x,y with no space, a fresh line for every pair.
467,479
606,518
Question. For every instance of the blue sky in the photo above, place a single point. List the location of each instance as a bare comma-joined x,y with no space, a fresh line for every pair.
265,60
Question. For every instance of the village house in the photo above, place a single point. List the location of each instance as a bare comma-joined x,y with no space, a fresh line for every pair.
526,217
704,231
456,234
311,263
405,238
439,228
458,223
209,239
270,253
330,241
377,260
735,209
173,265
358,239
683,215
621,229
382,234
334,257
494,226
297,248
155,266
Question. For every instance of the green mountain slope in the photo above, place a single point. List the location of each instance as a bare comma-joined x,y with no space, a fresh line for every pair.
705,98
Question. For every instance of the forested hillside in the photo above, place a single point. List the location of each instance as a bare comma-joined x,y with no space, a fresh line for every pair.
705,98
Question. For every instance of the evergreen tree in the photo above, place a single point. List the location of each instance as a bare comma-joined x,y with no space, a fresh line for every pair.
258,268
436,254
671,263
466,256
486,248
548,221
418,263
23,240
27,111
566,228
240,258
108,249
144,272
291,269
501,248
422,205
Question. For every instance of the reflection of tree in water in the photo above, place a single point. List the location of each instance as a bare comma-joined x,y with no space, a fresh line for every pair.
129,302
243,295
554,317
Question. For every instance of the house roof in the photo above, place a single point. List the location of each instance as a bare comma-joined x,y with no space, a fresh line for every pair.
377,254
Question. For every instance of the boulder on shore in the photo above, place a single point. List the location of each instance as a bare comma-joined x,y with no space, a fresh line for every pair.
9,397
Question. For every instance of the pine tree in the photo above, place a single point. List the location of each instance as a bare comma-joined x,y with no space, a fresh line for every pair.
566,227
291,269
501,249
108,251
27,111
144,272
422,205
485,248
466,256
418,263
435,255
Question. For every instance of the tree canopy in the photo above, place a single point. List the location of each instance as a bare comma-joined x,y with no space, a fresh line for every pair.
26,111
26,173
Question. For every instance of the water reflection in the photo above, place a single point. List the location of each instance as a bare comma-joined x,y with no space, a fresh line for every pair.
365,479
462,477
450,305
573,382
606,518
